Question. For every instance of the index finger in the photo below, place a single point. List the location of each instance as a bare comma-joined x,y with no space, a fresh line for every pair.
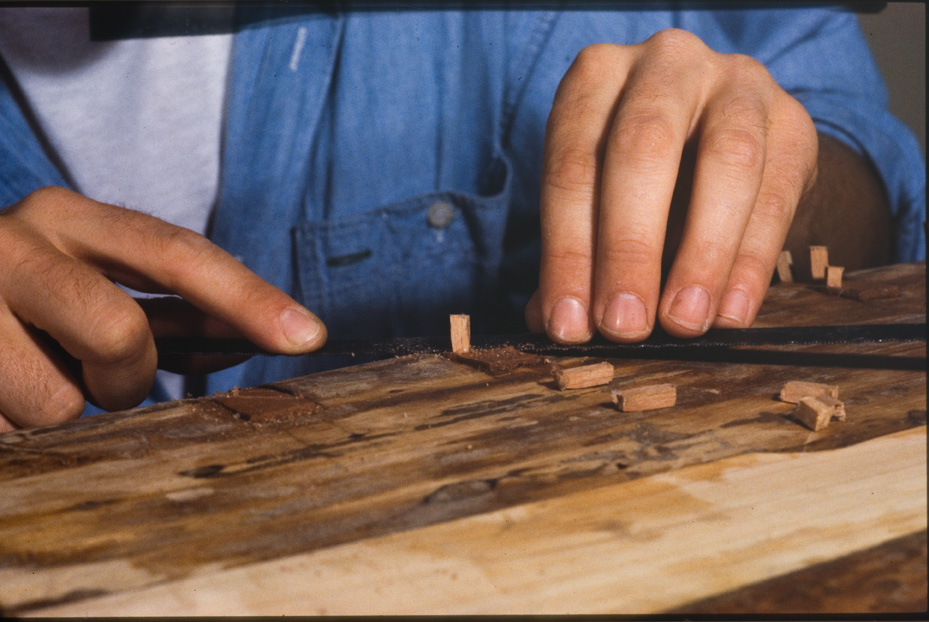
149,254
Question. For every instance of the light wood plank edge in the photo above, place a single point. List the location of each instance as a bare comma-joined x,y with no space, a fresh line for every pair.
643,546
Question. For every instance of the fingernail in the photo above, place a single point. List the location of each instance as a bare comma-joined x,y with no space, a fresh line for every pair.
569,321
299,326
625,316
735,306
691,308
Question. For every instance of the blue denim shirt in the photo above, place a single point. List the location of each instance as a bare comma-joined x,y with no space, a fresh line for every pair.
383,166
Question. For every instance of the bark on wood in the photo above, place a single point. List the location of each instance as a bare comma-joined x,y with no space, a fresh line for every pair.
584,376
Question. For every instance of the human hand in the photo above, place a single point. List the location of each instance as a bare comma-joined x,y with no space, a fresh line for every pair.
624,126
67,331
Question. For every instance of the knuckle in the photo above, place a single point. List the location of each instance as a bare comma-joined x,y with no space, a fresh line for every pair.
777,206
744,67
737,147
631,253
574,258
182,252
676,41
119,333
753,267
572,168
41,203
589,63
645,138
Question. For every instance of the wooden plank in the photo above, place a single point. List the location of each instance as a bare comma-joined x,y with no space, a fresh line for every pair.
589,552
123,502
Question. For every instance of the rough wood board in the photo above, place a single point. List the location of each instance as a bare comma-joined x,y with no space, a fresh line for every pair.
126,501
638,547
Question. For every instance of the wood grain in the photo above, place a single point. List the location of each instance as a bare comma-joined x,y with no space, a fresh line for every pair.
608,544
121,504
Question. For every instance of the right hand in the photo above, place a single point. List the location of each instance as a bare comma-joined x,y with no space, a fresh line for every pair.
67,332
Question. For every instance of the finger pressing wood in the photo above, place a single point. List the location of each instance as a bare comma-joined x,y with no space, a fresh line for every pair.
645,398
795,390
584,376
461,332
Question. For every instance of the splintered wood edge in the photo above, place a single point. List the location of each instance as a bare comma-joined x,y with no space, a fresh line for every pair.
650,397
584,376
460,332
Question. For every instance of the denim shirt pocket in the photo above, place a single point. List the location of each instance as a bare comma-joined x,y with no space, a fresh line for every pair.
400,269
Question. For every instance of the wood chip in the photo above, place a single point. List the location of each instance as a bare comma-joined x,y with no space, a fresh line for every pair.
645,398
819,260
496,361
816,412
260,405
784,270
461,332
866,293
834,278
584,376
795,390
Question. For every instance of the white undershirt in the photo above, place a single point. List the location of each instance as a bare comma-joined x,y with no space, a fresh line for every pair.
134,122
107,108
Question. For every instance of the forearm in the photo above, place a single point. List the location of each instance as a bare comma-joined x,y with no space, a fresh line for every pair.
846,210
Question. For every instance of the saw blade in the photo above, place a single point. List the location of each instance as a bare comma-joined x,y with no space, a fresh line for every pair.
541,344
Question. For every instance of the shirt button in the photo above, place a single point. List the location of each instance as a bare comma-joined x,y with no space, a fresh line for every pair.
440,215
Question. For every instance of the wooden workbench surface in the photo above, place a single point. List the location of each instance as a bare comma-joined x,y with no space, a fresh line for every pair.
422,485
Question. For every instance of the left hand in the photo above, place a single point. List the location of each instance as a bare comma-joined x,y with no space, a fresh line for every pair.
622,123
